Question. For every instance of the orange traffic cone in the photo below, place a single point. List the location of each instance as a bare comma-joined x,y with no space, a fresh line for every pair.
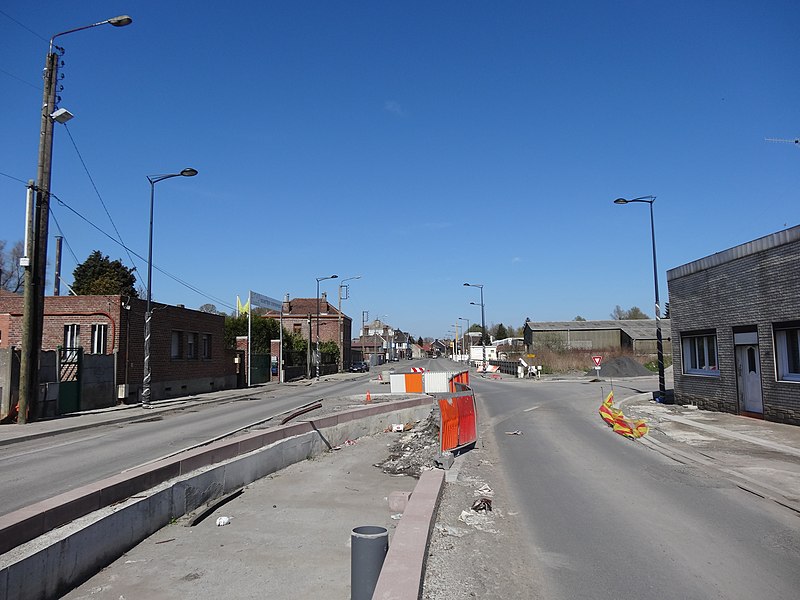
369,399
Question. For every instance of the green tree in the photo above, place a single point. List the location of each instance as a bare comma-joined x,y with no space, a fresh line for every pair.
263,331
579,318
634,312
420,341
100,275
12,275
501,332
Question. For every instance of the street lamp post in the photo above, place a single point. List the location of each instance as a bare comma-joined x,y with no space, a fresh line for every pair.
483,321
153,179
35,271
659,342
464,333
319,356
341,330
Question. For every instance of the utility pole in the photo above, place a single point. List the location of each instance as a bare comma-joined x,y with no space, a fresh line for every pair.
33,301
363,336
57,278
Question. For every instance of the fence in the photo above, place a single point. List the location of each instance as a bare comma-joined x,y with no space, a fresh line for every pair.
509,367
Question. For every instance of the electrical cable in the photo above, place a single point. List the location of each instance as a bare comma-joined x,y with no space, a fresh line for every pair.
96,191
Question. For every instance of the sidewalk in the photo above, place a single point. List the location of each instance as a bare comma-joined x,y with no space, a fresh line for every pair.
288,537
761,457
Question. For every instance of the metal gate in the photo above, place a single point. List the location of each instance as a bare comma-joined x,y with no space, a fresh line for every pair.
70,361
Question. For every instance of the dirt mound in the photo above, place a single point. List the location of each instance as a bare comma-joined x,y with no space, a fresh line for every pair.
414,450
622,366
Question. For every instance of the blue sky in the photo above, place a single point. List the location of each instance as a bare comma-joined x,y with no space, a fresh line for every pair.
416,144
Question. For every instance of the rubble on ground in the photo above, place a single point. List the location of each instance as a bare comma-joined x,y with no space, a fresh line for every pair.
414,450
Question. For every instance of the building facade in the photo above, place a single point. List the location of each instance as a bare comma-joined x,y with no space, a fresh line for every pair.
300,317
736,326
635,335
187,351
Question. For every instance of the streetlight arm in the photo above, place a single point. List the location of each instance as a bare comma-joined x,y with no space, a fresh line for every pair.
119,21
643,199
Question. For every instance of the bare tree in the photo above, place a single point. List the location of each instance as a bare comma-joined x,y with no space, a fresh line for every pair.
12,275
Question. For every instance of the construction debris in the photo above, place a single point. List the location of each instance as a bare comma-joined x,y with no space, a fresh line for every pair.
482,505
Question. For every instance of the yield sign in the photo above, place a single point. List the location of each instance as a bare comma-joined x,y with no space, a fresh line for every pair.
597,360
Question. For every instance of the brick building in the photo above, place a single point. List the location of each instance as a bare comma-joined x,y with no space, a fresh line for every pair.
300,317
187,346
736,329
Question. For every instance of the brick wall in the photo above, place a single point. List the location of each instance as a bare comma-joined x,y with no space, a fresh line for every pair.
171,376
756,289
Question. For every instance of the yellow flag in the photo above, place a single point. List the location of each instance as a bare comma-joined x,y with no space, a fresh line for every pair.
242,309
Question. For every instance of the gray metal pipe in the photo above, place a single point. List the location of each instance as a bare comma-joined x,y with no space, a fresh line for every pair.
368,547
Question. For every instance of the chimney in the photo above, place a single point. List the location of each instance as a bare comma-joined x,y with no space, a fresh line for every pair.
323,302
287,306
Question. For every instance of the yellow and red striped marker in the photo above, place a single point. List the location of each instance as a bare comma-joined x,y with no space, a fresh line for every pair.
617,421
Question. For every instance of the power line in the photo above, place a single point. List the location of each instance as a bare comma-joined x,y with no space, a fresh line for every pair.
14,178
96,191
64,237
157,268
175,278
26,82
25,27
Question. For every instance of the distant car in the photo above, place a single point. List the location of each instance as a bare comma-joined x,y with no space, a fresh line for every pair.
395,359
360,366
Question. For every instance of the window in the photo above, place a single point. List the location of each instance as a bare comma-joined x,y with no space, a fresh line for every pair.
296,328
191,345
700,354
99,338
206,345
787,353
72,334
176,346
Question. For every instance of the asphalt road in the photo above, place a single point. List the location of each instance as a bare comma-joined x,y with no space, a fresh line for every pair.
41,468
609,518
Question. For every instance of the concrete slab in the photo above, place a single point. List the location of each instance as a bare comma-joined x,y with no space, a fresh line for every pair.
288,536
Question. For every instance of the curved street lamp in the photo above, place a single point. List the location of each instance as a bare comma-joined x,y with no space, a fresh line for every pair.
153,179
35,272
319,356
464,336
341,331
659,342
483,321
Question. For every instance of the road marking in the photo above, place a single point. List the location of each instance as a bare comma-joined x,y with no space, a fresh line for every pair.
530,409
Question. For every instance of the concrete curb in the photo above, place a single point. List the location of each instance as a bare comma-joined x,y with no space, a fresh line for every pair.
403,570
113,515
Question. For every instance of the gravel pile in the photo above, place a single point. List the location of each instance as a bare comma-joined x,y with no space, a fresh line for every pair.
622,366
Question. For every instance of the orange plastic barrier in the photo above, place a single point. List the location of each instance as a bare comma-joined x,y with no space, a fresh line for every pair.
462,377
459,425
448,429
467,426
414,383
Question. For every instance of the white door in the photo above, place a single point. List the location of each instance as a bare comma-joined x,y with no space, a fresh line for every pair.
748,373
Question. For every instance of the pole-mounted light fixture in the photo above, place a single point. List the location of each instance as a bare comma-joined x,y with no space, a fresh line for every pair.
153,179
659,341
319,356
